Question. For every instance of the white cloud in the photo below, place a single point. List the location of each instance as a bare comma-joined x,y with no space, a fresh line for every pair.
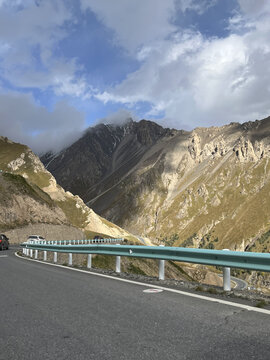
29,35
254,8
163,75
24,121
139,24
135,23
200,6
199,81
187,78
118,118
38,23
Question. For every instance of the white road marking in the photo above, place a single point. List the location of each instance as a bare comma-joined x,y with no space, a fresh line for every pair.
3,255
202,297
152,291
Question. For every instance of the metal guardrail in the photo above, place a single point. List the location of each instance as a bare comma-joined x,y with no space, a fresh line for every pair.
235,259
225,259
74,242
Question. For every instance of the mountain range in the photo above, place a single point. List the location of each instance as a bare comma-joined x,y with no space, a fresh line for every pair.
206,188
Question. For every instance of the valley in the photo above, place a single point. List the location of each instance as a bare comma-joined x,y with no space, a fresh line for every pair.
207,188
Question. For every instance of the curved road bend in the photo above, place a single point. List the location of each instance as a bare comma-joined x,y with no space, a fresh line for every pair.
55,313
239,283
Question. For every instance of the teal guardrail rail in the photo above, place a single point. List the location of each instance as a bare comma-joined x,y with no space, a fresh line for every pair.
74,242
234,259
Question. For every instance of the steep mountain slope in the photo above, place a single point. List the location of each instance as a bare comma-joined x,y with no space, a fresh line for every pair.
103,156
31,202
21,203
30,195
205,188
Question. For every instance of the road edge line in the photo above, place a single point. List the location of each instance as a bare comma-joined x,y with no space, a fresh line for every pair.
201,297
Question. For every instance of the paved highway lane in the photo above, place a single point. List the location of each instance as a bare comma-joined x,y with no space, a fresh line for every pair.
239,283
54,313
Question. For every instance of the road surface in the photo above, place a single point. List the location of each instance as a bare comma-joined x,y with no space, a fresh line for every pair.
239,283
50,312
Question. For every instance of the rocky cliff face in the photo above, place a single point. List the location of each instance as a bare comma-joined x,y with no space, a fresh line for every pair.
30,195
103,156
206,188
21,204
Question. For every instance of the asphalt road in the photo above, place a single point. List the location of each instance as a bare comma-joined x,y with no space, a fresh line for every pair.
55,313
239,283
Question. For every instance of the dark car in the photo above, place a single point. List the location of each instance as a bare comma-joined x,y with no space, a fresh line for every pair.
4,243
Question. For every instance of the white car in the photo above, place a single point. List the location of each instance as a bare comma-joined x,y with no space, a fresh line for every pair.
35,238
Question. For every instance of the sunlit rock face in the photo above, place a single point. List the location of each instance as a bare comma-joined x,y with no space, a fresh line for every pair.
30,196
205,188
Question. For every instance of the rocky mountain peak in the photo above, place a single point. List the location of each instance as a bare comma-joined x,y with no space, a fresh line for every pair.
250,125
148,132
101,151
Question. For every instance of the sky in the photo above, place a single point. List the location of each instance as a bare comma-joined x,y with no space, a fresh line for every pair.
66,65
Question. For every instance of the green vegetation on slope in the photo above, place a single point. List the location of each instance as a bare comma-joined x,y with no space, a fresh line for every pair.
9,152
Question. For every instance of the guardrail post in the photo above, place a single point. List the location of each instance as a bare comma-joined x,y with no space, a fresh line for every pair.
226,277
36,254
55,257
70,259
45,255
118,263
161,269
31,252
89,261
